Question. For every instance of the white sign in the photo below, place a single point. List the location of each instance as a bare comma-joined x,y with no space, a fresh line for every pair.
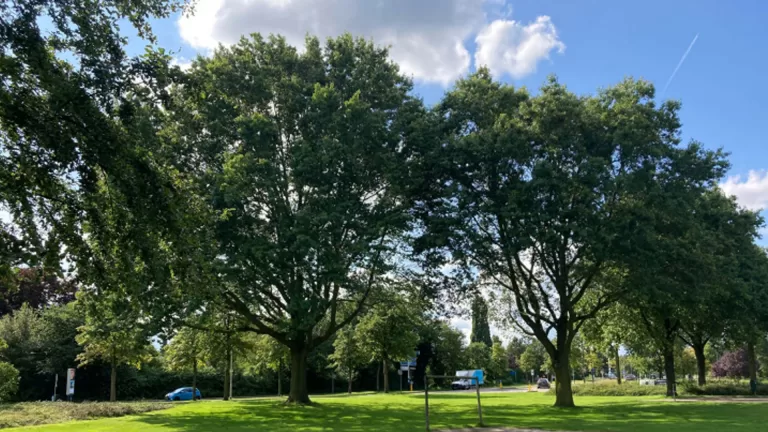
70,381
532,372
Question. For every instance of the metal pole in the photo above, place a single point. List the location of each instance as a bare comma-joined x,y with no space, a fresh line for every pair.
479,409
426,400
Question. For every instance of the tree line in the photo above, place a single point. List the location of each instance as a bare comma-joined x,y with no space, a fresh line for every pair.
289,193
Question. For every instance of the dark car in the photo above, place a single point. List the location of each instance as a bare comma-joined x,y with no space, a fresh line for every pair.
630,377
543,383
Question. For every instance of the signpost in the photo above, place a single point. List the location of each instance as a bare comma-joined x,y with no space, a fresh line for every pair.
70,383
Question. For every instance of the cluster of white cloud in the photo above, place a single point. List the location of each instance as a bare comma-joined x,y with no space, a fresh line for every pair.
751,192
427,37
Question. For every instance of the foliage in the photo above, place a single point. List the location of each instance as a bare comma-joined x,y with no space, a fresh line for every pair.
21,333
9,381
611,388
733,364
534,359
481,330
499,363
447,346
40,413
576,170
35,288
186,350
477,356
298,156
724,389
348,354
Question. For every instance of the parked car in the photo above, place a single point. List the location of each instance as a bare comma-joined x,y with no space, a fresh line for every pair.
463,384
630,377
466,384
543,383
183,394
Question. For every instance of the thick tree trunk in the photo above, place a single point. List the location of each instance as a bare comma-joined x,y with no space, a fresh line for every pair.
752,360
299,393
113,379
563,389
701,363
618,364
385,374
669,367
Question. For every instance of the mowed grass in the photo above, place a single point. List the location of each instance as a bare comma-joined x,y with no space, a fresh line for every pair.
405,412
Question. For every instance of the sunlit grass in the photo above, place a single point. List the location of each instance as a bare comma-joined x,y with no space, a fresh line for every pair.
403,413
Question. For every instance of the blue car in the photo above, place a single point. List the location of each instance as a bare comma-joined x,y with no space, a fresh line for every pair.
183,394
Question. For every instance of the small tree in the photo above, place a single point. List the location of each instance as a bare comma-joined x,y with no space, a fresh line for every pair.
348,355
186,351
388,331
499,360
533,359
477,356
268,354
112,334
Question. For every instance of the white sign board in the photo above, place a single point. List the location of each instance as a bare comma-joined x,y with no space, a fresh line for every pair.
70,381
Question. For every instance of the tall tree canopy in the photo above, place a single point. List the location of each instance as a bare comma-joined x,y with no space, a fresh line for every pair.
481,330
298,158
539,194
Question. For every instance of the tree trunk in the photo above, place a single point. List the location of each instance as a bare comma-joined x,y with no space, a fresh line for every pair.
194,378
228,374
385,374
113,378
280,378
299,393
701,363
669,367
752,360
349,382
618,364
563,390
378,368
231,372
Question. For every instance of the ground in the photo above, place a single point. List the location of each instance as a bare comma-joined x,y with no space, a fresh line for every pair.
405,412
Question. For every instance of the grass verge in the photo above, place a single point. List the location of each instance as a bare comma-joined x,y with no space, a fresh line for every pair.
36,413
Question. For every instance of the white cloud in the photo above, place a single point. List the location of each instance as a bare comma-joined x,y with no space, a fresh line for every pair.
751,192
509,47
181,62
426,36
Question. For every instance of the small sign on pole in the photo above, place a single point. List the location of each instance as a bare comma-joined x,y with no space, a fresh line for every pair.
70,383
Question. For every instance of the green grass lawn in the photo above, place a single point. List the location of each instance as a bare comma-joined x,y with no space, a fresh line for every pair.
403,413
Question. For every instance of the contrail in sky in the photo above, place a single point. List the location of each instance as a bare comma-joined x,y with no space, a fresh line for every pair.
669,81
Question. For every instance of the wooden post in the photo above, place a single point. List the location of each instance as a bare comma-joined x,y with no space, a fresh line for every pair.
426,400
479,409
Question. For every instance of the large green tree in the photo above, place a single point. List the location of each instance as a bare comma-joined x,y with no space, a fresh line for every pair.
298,156
539,195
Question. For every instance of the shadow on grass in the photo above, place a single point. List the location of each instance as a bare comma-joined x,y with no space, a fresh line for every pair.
258,415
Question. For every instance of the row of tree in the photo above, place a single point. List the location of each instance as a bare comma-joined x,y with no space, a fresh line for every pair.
286,192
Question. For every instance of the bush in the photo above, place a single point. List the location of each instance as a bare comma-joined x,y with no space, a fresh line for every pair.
723,389
611,388
9,381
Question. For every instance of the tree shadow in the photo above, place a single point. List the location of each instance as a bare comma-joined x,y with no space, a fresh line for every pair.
450,411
